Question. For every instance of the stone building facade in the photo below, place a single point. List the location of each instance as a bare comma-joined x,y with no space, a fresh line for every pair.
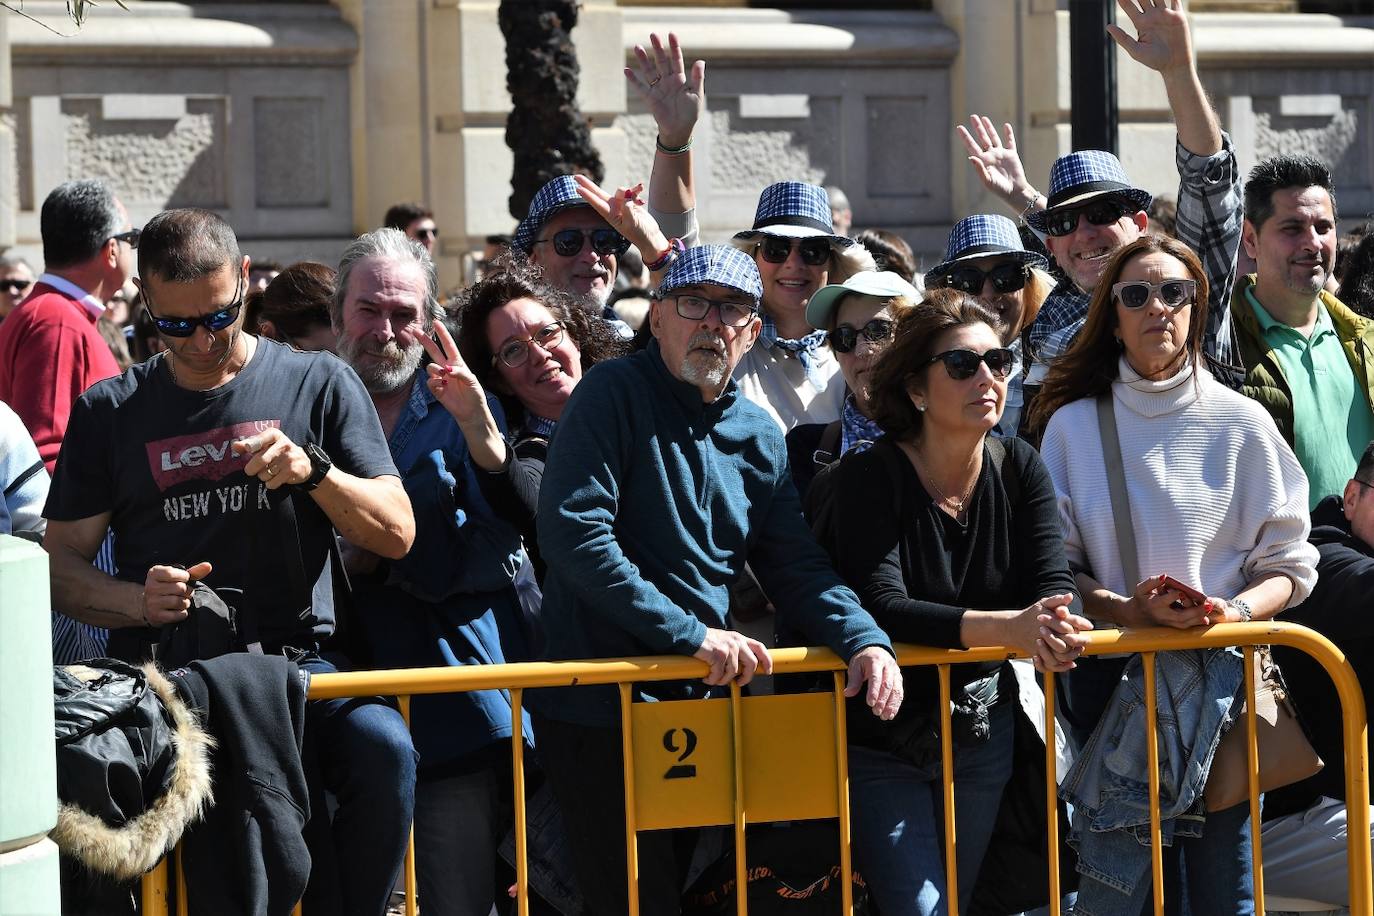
302,122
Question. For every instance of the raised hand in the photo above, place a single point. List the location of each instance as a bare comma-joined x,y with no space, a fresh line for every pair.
451,381
1163,41
675,98
627,214
997,162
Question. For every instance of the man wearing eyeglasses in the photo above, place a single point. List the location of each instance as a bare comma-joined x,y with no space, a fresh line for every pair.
1093,209
50,348
231,459
662,478
16,282
451,600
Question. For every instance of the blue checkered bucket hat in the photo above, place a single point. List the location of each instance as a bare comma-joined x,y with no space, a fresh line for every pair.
719,264
554,197
980,236
795,210
1084,175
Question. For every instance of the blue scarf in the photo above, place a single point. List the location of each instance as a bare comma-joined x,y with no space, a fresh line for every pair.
803,348
540,426
857,432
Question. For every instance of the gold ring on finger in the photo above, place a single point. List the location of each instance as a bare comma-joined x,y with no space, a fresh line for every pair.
271,472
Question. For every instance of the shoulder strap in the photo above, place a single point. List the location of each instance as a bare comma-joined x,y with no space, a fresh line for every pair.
1116,487
999,453
827,448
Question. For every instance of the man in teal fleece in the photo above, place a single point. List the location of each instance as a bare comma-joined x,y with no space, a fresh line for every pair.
660,481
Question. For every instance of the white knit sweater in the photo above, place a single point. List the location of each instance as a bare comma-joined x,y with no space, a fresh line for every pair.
1217,497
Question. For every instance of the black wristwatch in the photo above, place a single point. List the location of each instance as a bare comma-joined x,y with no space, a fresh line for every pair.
321,463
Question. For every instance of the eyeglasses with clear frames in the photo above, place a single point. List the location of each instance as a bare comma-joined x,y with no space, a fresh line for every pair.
515,352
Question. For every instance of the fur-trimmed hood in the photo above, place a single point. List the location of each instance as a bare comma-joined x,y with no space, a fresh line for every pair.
128,849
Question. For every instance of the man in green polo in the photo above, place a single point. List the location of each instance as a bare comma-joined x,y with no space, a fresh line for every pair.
1308,358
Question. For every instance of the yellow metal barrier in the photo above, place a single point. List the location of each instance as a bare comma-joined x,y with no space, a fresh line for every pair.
739,794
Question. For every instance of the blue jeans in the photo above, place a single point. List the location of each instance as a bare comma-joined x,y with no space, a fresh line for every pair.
1214,868
360,750
898,824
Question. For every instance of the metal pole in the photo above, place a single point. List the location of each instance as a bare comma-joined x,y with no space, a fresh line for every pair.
1092,69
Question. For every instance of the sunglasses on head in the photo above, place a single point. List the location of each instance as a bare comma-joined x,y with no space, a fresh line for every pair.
217,320
962,364
776,250
1006,278
1134,294
845,338
1101,212
15,286
568,242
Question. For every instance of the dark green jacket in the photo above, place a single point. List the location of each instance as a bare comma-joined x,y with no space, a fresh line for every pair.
1264,379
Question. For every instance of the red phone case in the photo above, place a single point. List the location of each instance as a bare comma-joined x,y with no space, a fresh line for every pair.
1186,591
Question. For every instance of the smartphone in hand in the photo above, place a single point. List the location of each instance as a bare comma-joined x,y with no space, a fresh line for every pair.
1187,591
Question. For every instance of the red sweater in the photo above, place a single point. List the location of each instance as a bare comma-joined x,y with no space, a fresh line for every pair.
50,352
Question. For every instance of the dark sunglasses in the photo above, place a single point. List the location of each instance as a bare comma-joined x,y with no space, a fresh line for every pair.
962,364
426,233
1174,294
776,250
132,237
845,338
568,242
217,320
732,314
15,286
1102,212
1006,278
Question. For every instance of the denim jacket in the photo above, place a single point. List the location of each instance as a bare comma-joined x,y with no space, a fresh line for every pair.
451,600
1109,784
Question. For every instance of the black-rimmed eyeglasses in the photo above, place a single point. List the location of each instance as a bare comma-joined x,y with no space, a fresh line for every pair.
733,314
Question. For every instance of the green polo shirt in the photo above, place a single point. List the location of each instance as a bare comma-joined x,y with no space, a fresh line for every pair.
1331,419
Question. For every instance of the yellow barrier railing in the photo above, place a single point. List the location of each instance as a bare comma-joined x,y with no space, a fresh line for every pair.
744,797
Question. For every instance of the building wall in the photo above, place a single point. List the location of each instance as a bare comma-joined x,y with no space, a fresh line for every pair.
302,122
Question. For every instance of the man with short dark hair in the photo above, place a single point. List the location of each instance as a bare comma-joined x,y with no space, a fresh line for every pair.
1093,209
451,600
660,481
416,221
50,348
16,282
1308,358
1304,835
231,459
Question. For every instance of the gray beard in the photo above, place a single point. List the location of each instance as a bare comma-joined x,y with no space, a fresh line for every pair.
396,371
704,368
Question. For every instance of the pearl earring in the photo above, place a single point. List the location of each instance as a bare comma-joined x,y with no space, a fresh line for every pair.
921,408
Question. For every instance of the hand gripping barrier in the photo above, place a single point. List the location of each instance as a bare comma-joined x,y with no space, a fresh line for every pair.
722,755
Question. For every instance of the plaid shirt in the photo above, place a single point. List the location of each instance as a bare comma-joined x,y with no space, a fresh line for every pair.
1210,215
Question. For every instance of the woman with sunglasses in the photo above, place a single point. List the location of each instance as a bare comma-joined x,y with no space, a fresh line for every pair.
529,344
1214,498
858,317
950,538
789,372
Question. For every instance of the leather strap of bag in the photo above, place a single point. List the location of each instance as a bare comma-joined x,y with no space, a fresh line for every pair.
1116,488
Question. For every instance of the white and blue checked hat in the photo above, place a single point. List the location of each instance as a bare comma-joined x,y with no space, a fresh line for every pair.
558,195
1084,175
980,236
795,210
718,264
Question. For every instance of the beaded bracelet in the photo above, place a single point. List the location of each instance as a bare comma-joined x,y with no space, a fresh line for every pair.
671,151
675,248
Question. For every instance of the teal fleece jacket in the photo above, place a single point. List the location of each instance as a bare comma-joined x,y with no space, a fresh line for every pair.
651,503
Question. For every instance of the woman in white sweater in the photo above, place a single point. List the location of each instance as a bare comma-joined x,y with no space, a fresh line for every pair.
1216,499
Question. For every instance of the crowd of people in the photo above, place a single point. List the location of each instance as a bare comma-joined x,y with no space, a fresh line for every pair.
794,438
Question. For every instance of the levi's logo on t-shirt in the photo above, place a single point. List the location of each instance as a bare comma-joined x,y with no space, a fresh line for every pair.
201,456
